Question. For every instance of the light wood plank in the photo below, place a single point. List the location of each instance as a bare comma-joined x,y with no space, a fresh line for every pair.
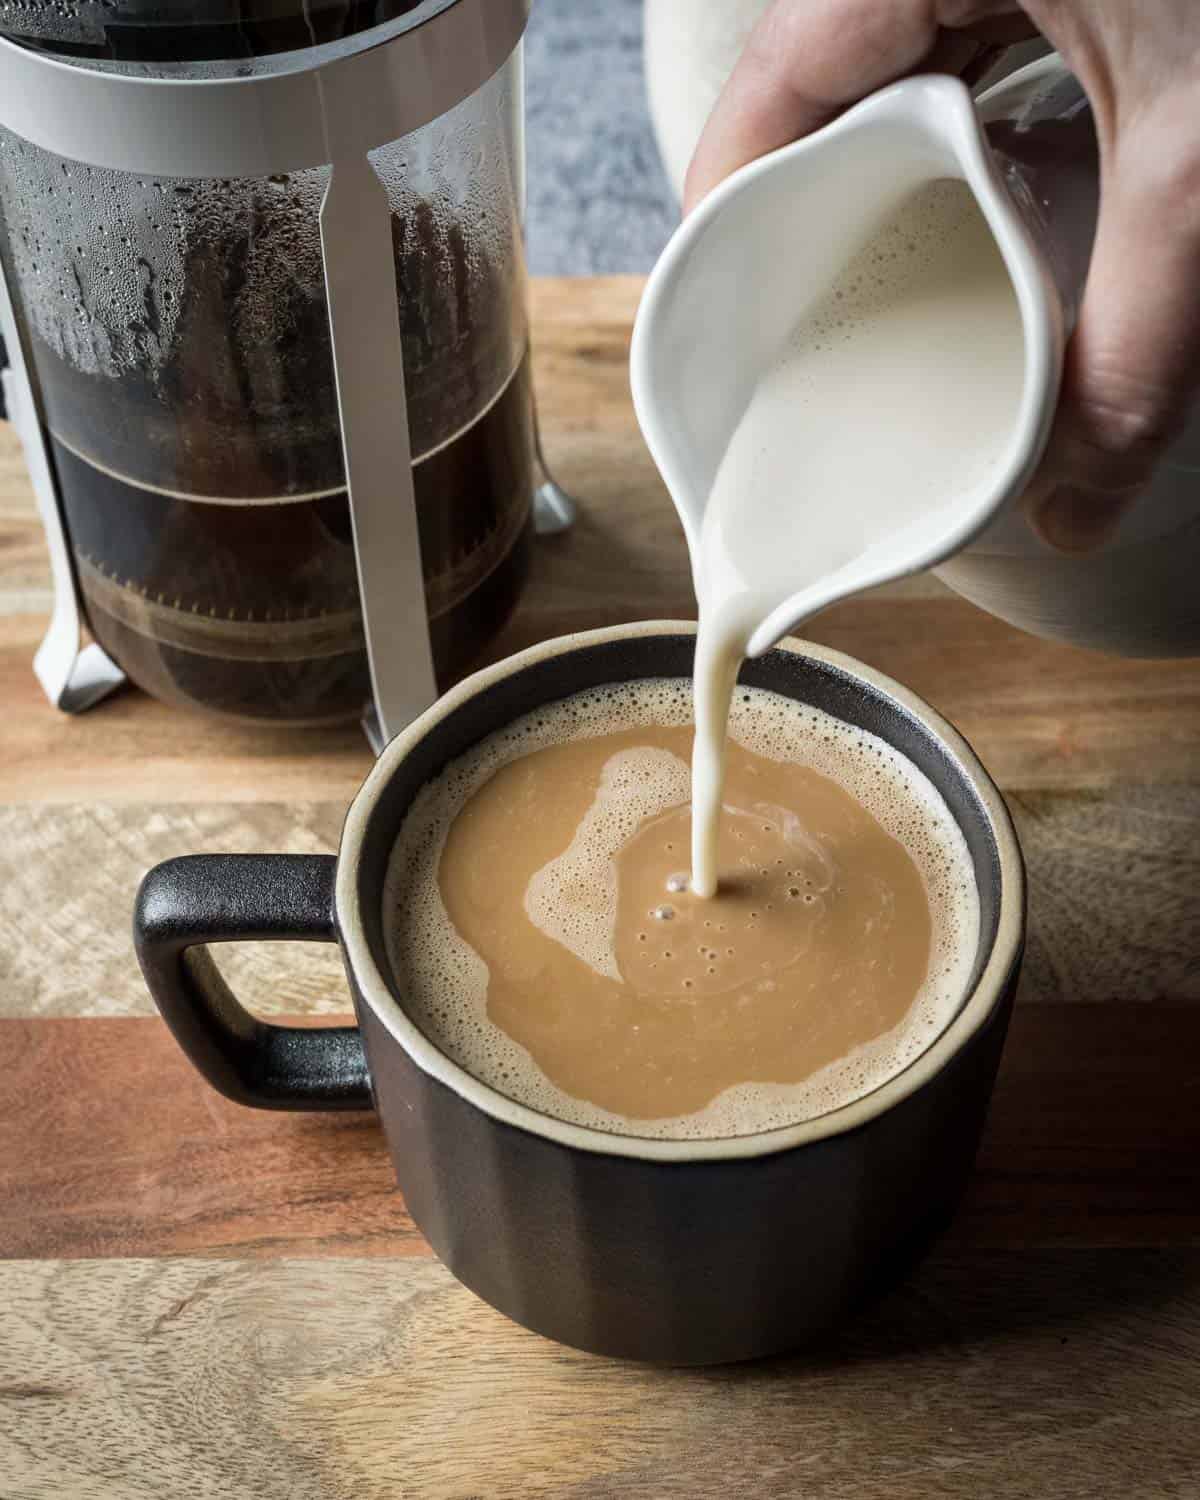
24,569
66,945
1056,1375
110,1144
1114,899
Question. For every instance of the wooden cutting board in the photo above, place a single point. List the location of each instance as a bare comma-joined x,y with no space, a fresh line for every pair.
201,1301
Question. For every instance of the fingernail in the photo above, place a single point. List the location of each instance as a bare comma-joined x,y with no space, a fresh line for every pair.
1075,520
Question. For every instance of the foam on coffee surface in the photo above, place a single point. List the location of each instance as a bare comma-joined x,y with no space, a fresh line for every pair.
573,896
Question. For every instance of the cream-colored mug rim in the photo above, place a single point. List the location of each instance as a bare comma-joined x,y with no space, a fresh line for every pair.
975,1012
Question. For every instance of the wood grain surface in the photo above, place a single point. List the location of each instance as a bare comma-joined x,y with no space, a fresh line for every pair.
198,1300
1010,1377
1039,713
1099,864
112,1145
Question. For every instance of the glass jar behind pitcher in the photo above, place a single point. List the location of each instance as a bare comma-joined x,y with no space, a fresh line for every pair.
1137,595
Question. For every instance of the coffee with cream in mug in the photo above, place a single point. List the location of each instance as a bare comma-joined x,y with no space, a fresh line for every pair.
544,934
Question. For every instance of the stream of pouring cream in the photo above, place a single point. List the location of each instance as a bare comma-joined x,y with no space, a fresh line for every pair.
897,391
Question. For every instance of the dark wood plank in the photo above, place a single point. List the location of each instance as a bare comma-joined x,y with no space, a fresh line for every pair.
1094,1133
1051,1375
1114,892
111,1145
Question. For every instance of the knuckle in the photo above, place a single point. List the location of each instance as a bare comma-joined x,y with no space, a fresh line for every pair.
1120,415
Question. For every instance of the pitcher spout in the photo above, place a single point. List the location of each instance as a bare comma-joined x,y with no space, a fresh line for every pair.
766,245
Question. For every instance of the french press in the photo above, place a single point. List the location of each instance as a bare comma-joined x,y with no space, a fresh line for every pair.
263,295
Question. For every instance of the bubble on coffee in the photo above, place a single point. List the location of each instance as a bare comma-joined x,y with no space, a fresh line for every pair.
573,897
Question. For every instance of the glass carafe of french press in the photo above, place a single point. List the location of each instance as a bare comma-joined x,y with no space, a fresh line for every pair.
177,330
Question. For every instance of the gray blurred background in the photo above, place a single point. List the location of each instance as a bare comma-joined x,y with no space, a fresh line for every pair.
598,198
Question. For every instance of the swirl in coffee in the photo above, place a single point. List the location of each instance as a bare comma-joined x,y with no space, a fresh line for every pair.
544,936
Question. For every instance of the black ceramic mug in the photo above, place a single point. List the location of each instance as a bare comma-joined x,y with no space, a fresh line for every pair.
677,1251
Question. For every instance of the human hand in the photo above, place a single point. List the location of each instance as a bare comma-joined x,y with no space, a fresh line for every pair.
1133,364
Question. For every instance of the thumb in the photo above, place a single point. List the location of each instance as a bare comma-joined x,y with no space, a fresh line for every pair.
1133,364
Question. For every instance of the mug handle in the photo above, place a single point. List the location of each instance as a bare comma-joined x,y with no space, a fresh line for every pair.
186,903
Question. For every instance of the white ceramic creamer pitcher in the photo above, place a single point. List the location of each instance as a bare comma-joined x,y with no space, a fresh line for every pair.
766,245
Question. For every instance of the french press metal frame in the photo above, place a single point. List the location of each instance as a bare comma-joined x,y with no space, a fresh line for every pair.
350,99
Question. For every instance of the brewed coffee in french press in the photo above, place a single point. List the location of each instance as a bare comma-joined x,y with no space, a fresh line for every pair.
191,197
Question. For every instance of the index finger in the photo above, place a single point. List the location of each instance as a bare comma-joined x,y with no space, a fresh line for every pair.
807,60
